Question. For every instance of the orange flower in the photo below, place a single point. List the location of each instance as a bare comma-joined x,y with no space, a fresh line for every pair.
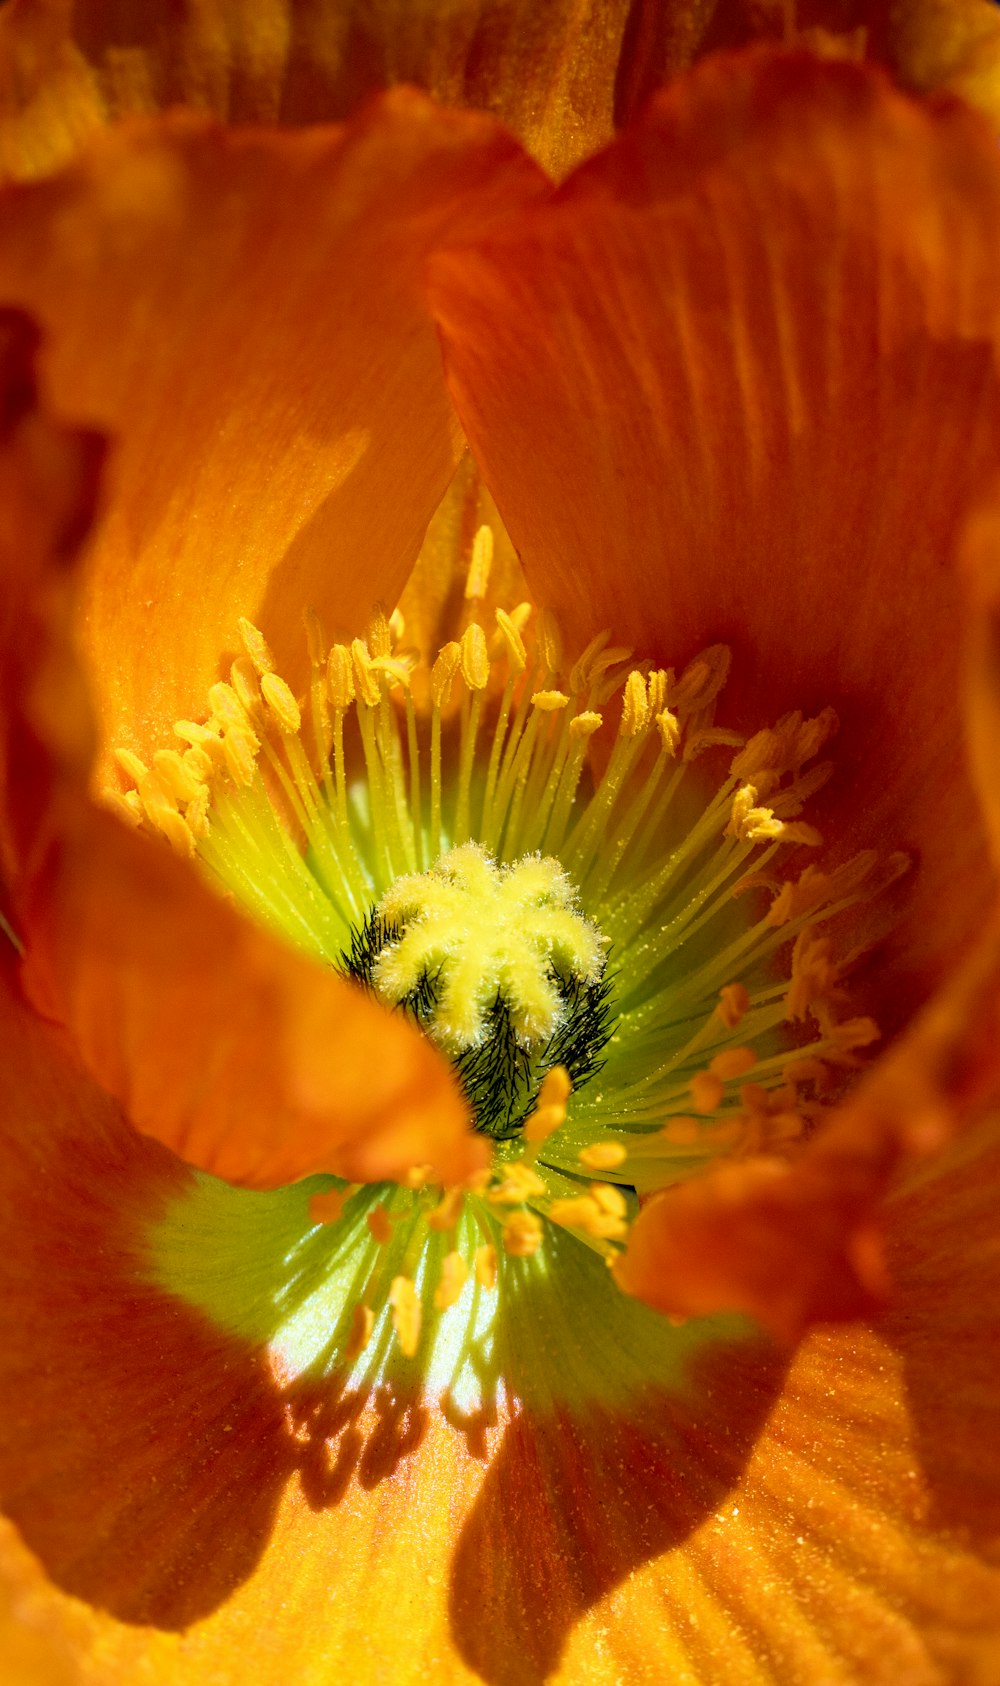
726,383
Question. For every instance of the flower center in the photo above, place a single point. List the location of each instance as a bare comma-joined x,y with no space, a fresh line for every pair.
588,921
499,967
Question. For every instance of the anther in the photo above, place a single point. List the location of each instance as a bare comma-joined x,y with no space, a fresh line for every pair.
256,646
131,764
516,653
454,1275
360,1332
733,1062
240,751
669,728
315,641
481,561
443,672
448,1210
519,1182
549,702
550,644
327,1208
228,709
486,1265
635,706
379,636
340,677
281,703
243,678
380,1225
366,683
588,1214
734,1002
406,1314
706,1091
603,1156
522,1235
701,681
474,658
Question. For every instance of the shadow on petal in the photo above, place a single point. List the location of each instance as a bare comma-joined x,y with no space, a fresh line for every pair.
943,1251
575,1501
143,1453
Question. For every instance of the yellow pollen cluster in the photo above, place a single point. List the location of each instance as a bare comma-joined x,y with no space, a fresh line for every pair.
486,930
441,828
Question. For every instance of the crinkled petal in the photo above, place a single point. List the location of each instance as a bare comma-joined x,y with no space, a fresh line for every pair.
800,1243
48,486
980,561
846,1539
243,311
948,44
66,70
734,384
133,1436
240,1054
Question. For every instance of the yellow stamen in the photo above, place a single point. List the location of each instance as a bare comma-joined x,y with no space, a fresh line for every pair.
454,1274
522,1234
406,1314
603,1156
380,1225
486,1266
448,1211
362,1324
733,1062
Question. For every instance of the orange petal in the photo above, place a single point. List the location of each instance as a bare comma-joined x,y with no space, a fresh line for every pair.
195,1508
133,1436
246,1058
48,485
243,310
800,1243
949,44
735,385
241,1055
64,74
980,561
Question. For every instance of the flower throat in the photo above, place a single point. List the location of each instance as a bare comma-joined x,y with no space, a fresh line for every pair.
528,857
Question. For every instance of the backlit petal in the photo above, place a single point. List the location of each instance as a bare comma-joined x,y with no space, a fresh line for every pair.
237,1052
244,1057
68,70
735,385
845,1540
242,310
793,1244
48,484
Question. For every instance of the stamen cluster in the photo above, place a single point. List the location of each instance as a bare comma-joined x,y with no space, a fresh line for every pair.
472,838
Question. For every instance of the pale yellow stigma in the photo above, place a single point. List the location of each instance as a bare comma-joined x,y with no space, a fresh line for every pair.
484,931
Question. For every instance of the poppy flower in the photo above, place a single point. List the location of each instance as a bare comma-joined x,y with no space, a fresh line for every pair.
725,386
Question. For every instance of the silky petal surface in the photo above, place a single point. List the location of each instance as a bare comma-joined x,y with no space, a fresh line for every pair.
65,71
291,1530
762,393
242,1055
243,312
797,1243
48,486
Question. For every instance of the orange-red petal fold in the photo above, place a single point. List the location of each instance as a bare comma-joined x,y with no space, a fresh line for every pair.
735,384
796,1244
242,310
242,1056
